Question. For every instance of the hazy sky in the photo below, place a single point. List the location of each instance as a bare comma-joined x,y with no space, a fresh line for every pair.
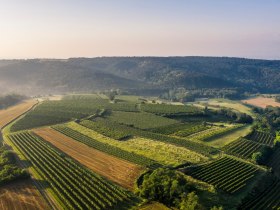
90,28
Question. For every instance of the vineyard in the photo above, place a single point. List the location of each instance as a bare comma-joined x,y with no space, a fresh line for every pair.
104,147
109,125
243,148
226,173
191,129
261,137
214,132
160,152
267,198
140,120
164,109
75,186
54,112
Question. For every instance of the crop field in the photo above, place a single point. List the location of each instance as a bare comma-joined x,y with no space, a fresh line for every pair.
164,109
262,102
140,120
261,137
21,195
54,112
243,148
173,128
226,173
8,115
117,170
214,132
158,151
104,146
75,186
191,129
129,131
269,198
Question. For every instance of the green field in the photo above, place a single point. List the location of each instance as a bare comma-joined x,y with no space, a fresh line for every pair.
140,120
158,151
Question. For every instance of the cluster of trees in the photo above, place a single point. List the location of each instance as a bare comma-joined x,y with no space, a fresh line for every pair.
8,170
277,98
9,100
170,188
268,119
237,117
189,95
277,139
262,156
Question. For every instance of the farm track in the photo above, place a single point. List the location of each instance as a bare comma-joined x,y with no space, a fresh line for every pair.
21,195
119,171
10,114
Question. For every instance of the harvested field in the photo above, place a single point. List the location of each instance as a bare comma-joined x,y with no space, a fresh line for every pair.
21,195
262,102
11,113
119,171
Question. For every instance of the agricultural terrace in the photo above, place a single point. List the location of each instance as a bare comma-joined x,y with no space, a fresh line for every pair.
11,113
140,120
75,186
262,102
226,173
117,170
160,152
21,195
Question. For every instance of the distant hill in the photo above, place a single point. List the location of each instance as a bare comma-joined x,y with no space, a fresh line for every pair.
44,76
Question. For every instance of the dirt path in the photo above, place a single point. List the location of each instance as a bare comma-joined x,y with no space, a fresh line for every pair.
119,171
11,113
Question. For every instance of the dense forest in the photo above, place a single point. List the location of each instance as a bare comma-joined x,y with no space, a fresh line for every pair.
151,75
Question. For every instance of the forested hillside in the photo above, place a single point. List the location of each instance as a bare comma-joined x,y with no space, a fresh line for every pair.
157,74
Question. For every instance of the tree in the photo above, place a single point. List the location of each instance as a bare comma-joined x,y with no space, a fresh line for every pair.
189,201
277,139
257,157
165,186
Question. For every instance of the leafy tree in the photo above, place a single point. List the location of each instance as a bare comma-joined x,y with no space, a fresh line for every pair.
257,157
189,201
277,139
165,186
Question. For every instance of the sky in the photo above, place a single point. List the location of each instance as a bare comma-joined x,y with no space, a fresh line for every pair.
93,28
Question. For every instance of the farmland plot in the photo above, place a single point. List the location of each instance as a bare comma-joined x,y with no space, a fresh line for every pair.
122,172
